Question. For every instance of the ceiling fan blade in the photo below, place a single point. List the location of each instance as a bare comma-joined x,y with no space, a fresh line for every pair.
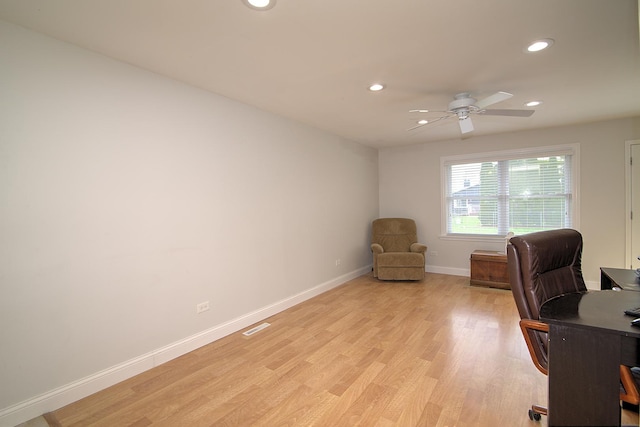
493,99
466,125
422,111
429,122
418,126
513,113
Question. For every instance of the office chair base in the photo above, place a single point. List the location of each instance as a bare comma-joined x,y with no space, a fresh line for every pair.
536,412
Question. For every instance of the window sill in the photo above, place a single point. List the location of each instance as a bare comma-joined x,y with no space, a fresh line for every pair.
473,238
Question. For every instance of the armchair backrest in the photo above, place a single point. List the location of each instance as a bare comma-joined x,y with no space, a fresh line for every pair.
394,234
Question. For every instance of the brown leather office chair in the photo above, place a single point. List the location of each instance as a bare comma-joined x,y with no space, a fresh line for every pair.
541,266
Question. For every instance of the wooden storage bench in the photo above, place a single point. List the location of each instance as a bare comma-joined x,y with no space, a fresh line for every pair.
489,269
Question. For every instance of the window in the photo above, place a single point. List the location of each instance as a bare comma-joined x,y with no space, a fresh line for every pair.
519,191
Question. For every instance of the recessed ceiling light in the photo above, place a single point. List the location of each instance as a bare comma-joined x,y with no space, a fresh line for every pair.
422,122
260,4
376,87
533,103
539,45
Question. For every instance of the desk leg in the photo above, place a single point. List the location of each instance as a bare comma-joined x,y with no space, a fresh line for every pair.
584,377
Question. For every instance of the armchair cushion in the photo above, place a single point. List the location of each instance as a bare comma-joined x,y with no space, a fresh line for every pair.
400,259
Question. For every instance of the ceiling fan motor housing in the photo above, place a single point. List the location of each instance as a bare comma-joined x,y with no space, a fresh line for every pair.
462,105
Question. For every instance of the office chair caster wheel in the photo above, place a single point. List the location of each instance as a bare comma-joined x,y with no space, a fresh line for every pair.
534,416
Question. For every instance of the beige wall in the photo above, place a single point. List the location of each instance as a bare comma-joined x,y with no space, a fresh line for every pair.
410,186
127,198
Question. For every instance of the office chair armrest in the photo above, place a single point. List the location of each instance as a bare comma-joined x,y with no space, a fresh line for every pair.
377,248
630,392
527,325
535,325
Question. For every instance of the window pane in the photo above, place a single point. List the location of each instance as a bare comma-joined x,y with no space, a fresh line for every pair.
537,199
464,200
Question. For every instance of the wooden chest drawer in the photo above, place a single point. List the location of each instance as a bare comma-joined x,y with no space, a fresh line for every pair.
489,268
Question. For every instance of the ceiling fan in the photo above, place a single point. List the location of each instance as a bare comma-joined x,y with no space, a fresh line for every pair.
464,105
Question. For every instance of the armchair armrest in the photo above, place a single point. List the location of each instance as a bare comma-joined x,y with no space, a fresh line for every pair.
377,248
418,247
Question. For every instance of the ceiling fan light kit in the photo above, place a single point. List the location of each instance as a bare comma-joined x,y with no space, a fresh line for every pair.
465,125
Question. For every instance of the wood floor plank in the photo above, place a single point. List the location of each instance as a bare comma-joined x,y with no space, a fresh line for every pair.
412,395
435,352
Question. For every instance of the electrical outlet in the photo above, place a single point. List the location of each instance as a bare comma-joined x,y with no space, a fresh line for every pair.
434,253
338,262
202,307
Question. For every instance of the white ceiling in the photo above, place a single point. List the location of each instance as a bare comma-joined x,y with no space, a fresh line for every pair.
312,61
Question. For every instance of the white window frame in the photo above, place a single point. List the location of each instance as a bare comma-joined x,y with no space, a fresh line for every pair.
543,151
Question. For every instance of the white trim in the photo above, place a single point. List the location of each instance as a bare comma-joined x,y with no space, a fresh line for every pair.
628,201
444,186
465,272
69,393
448,270
473,237
516,153
575,184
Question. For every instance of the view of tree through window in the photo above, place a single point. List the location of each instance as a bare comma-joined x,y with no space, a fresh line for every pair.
518,195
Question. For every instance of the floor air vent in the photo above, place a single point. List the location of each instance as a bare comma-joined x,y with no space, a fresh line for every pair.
256,329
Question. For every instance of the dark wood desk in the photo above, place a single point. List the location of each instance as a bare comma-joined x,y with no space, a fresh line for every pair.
589,337
620,277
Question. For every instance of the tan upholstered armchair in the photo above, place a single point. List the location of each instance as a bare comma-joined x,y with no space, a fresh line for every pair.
397,255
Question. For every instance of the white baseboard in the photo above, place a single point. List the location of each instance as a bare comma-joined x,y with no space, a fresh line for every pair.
448,270
61,396
591,285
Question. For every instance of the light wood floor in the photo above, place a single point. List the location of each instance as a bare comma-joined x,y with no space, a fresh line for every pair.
431,353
